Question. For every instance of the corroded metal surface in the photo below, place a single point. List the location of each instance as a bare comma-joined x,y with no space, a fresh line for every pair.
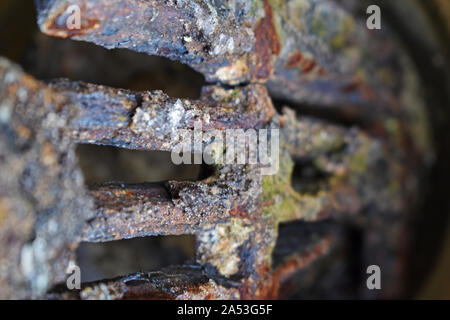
305,50
43,203
301,51
148,120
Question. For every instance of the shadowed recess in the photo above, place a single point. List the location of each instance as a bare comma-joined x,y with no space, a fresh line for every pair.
307,178
48,58
297,236
117,258
101,164
51,58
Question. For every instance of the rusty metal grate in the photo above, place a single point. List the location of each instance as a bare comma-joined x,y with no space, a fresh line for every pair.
308,52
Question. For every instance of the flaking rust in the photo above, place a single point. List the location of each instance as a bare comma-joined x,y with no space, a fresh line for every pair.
235,212
270,48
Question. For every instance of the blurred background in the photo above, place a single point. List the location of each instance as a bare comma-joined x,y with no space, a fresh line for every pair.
423,26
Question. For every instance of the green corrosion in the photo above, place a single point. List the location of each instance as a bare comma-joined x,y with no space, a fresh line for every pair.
254,7
359,161
282,202
346,27
276,187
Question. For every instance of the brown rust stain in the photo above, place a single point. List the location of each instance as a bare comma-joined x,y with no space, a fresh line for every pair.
146,292
304,63
366,91
267,42
308,66
239,211
294,59
63,32
261,287
359,86
53,28
351,87
297,262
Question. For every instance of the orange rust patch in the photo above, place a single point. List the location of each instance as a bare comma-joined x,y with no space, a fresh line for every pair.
59,31
294,59
267,43
29,82
48,155
238,211
298,261
63,32
23,132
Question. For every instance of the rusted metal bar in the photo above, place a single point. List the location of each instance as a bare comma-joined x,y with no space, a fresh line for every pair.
148,120
304,51
127,211
193,281
300,260
235,212
183,282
